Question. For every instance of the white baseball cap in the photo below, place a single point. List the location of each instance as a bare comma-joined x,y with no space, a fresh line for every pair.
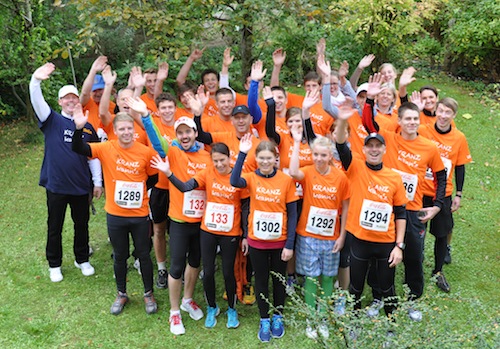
66,90
184,120
362,88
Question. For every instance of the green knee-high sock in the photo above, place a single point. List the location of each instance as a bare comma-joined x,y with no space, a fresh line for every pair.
327,288
311,290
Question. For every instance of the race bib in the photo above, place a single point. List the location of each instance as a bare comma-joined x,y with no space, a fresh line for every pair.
219,217
267,225
299,191
375,215
129,194
447,166
321,221
410,181
194,203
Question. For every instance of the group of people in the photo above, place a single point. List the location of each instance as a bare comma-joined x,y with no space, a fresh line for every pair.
337,184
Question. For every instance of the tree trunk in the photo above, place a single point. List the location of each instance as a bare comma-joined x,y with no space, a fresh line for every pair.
246,49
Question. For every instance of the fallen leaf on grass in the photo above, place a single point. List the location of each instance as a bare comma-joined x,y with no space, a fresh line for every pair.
467,116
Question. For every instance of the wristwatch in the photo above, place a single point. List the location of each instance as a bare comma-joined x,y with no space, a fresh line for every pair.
401,245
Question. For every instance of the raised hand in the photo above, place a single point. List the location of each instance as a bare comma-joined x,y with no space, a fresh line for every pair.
79,118
246,143
43,72
267,93
417,100
136,77
257,73
279,57
311,98
161,165
162,74
296,132
197,54
345,109
99,64
344,69
406,77
137,105
374,85
227,59
108,75
366,61
324,66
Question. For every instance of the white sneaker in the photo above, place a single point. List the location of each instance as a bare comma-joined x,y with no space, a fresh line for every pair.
323,330
311,331
55,274
176,326
414,314
374,308
86,268
193,309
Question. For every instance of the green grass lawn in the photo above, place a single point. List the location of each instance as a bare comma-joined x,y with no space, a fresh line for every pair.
75,313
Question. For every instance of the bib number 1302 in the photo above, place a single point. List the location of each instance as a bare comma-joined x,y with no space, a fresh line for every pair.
267,225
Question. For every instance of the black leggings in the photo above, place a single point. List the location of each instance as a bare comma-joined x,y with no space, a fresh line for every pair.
362,254
228,247
265,261
118,231
184,240
440,249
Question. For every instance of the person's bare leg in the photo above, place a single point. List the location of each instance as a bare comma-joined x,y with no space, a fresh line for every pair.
174,292
159,241
343,277
190,278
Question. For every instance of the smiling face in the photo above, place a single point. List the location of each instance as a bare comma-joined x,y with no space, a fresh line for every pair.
68,103
166,109
96,95
429,99
334,85
388,73
280,100
385,98
321,156
409,122
266,160
225,104
222,162
444,117
186,136
211,82
124,131
374,150
311,85
295,121
241,123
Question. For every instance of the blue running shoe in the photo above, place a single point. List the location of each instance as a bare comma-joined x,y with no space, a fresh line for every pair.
265,330
277,329
211,319
232,318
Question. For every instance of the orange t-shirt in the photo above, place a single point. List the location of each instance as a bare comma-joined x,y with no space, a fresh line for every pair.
168,133
320,119
125,174
323,197
223,208
150,103
280,127
189,206
211,108
294,100
454,151
243,100
93,108
216,124
233,143
374,194
139,133
267,221
411,158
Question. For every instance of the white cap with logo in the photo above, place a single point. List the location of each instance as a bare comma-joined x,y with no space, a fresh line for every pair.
68,89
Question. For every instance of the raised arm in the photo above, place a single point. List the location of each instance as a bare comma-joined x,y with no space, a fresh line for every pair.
197,105
345,112
138,80
227,60
365,62
184,72
374,83
271,116
245,146
311,98
279,57
256,75
325,70
99,64
163,165
294,165
80,119
40,106
161,76
109,78
405,79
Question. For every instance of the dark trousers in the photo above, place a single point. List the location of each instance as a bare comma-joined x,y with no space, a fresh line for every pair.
365,254
119,229
184,241
228,247
56,205
265,261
